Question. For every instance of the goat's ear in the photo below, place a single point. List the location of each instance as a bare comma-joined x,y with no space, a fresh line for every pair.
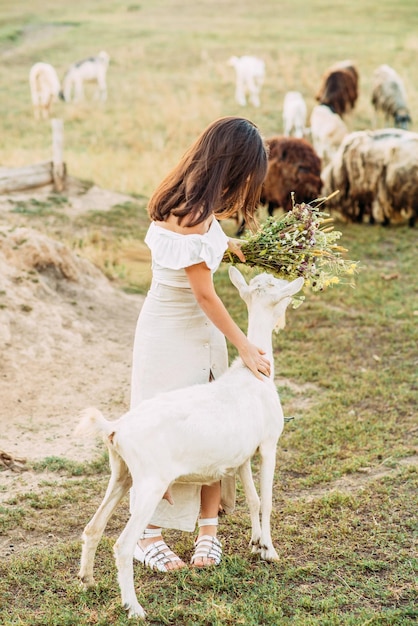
238,280
293,287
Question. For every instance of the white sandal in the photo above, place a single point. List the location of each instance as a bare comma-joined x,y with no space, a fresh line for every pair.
156,555
207,546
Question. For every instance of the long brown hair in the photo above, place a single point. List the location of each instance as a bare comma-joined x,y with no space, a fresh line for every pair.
221,173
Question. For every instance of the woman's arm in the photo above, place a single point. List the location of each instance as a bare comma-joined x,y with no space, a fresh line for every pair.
200,280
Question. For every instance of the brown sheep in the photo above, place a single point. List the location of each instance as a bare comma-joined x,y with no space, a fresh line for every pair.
339,87
376,173
294,167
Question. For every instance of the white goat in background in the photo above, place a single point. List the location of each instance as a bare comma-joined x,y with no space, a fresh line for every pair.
389,97
44,89
249,78
93,69
328,129
294,114
237,409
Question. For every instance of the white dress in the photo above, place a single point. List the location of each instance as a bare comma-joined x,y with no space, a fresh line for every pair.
176,345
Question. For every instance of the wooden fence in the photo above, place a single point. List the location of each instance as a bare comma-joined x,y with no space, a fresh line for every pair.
45,173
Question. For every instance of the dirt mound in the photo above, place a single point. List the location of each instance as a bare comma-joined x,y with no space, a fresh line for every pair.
66,336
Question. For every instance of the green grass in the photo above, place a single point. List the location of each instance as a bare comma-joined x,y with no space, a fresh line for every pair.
344,519
344,559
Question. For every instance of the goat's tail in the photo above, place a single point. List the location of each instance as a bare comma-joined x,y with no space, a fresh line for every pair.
92,421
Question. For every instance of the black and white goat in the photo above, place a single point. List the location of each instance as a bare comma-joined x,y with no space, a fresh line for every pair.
93,69
237,409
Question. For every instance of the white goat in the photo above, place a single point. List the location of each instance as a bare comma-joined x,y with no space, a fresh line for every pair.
177,434
249,78
327,130
389,96
44,89
294,114
89,70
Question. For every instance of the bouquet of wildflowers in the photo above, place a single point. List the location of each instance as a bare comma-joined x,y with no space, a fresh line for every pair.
302,242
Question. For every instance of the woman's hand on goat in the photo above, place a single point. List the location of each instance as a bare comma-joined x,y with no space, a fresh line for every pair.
253,357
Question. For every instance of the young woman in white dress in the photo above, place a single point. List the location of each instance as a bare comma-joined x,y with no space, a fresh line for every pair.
181,329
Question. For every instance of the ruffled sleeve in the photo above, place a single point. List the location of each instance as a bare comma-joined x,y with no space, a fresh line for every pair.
176,251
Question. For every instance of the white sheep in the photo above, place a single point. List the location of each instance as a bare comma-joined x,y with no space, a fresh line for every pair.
389,97
377,175
44,89
249,78
93,69
294,114
327,131
206,431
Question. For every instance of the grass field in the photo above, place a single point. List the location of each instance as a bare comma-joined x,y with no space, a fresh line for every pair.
345,513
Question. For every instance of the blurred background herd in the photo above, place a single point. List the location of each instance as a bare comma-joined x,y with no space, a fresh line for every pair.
332,86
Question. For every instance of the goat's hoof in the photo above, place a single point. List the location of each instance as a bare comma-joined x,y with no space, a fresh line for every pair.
268,554
255,546
87,582
135,610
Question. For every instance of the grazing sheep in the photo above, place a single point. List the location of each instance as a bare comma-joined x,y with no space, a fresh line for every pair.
348,66
294,114
210,430
389,97
293,166
249,78
93,69
327,131
377,175
44,88
339,87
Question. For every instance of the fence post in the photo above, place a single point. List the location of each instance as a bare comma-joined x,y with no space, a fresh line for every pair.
58,166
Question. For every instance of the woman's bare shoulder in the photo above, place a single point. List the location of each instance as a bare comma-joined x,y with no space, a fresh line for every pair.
172,224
